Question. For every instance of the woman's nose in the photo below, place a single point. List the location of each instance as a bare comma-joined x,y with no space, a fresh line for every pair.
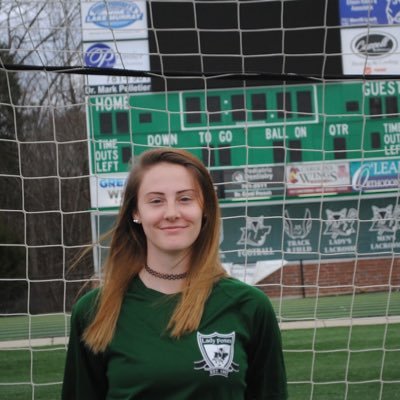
172,211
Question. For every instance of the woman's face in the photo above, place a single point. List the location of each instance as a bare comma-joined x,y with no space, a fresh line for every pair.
169,209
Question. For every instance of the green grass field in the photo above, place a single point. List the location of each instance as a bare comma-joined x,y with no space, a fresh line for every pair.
353,363
319,363
345,306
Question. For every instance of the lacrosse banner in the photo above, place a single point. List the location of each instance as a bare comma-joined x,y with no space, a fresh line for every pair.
322,230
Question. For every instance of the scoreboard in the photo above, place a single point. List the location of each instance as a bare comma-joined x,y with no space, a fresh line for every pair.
262,142
307,171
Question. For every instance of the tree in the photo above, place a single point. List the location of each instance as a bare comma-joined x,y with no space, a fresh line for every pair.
47,34
12,254
43,133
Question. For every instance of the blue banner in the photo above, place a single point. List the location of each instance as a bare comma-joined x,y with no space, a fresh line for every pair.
369,12
374,176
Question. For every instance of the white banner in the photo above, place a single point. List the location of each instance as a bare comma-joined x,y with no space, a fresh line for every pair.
113,20
254,273
128,54
316,178
106,191
372,50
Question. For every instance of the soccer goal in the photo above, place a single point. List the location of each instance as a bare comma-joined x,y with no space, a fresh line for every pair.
293,105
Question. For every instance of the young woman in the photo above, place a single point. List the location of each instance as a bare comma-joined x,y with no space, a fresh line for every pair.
167,323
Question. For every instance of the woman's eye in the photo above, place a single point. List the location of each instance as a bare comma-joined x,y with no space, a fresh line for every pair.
186,199
155,201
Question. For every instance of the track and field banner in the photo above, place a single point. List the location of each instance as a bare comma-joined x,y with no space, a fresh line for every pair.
314,231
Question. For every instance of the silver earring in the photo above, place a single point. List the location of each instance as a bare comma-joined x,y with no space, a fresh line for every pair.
136,221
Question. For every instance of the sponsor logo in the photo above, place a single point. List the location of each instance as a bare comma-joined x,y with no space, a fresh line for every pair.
360,178
297,228
100,55
310,178
217,350
374,44
393,11
340,223
376,175
112,183
385,220
317,174
238,176
255,232
114,14
253,174
293,175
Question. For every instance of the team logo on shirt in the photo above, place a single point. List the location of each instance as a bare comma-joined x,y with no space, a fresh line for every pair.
217,351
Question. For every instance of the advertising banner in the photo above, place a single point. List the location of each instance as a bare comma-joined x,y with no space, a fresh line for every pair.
106,190
373,176
317,178
259,243
253,273
252,182
382,228
128,54
372,47
369,12
321,230
113,20
371,51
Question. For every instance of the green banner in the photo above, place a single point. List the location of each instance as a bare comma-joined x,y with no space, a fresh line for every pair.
325,230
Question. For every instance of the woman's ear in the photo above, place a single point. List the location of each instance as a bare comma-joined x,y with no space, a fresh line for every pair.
135,218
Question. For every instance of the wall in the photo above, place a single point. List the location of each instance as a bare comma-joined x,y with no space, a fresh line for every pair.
332,278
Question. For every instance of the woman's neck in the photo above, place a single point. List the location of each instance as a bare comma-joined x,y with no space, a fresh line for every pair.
165,274
162,285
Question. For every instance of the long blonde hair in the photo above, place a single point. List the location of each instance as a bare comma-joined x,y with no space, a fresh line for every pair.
128,251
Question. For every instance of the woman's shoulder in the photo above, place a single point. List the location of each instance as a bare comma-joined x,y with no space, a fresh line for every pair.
85,306
240,291
248,300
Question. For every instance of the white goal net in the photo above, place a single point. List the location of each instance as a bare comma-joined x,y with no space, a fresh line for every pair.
293,105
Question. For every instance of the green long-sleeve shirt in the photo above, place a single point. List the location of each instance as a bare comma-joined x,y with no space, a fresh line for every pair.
235,354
